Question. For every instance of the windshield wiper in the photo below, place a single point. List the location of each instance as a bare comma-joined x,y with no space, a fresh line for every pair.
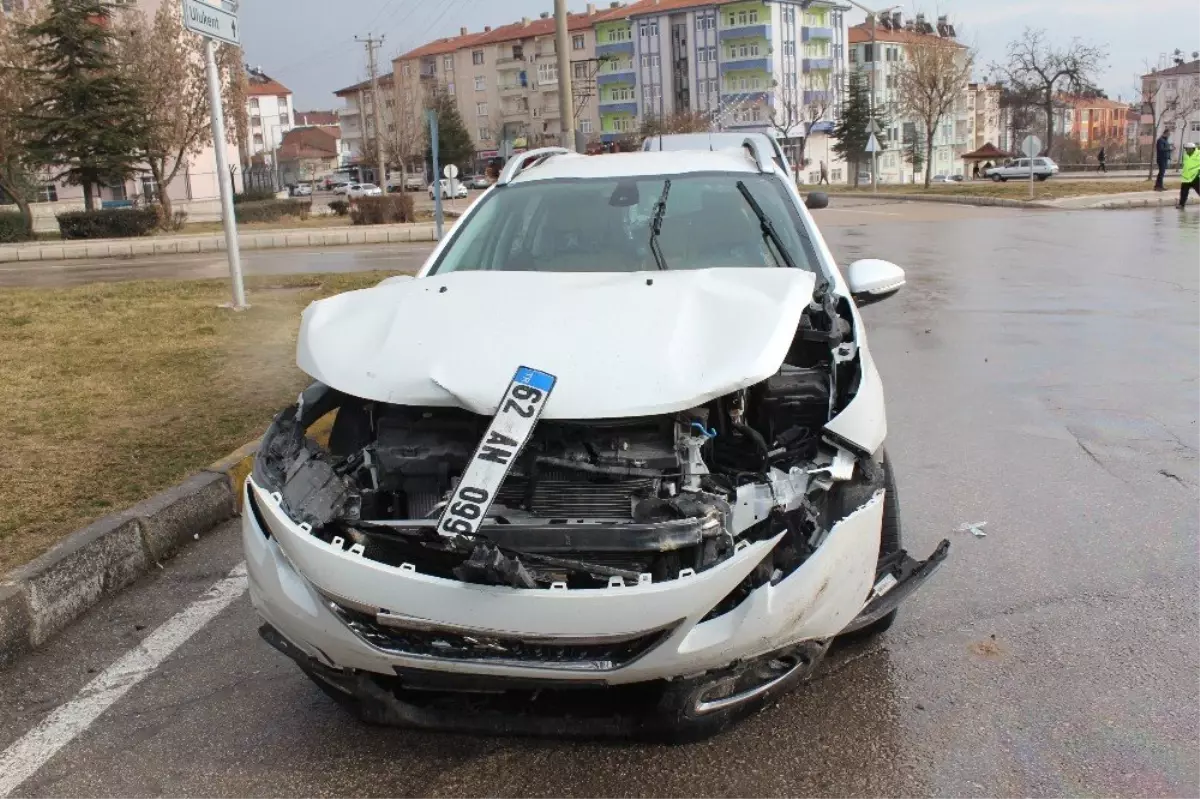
660,208
770,235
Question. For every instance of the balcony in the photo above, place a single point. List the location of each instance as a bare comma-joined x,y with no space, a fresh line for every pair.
745,32
609,78
618,107
512,89
749,64
548,85
815,96
614,48
514,113
508,62
734,98
818,64
810,34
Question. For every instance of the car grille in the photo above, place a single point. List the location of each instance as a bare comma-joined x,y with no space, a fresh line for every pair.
561,498
451,644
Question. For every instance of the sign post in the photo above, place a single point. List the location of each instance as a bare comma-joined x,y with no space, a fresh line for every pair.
873,149
219,24
1030,147
436,185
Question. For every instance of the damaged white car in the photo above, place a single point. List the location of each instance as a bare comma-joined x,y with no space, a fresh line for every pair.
611,463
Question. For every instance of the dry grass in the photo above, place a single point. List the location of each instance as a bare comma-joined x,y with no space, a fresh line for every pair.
1051,189
287,223
112,392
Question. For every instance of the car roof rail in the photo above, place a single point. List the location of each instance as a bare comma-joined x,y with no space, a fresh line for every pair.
519,163
761,159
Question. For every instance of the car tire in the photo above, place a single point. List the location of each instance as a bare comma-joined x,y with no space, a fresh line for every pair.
1042,177
996,178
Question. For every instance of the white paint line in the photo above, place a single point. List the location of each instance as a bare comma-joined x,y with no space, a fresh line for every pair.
24,758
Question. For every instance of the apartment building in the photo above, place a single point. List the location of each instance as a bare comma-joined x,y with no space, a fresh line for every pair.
356,119
751,65
983,108
1175,93
956,134
270,112
505,80
1095,121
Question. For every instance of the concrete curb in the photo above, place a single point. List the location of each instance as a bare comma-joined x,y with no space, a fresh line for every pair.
44,596
215,242
1003,202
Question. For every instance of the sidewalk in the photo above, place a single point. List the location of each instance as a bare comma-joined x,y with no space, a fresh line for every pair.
1133,199
215,242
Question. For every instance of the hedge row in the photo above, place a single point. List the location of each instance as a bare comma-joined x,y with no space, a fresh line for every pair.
253,196
12,227
271,210
382,210
111,223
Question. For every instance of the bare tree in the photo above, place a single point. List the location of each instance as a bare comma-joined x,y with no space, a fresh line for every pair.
676,122
17,175
791,115
1035,63
165,64
405,142
933,76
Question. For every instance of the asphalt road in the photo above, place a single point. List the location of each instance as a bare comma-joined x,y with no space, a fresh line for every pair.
1041,372
843,211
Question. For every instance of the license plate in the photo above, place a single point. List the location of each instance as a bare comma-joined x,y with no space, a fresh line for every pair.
520,408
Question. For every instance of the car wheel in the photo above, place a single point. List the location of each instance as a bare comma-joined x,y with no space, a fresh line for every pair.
1042,177
995,178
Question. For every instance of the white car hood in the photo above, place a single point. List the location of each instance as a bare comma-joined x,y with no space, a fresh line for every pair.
620,344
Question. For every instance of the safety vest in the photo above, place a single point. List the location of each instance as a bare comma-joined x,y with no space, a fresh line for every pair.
1191,165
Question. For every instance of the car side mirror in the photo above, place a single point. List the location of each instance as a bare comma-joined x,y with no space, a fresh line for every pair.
871,280
816,199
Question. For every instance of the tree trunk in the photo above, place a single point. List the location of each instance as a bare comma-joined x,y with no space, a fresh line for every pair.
164,202
928,156
1049,122
88,205
26,212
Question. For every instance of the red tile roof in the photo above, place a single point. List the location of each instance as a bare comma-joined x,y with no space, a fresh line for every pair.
386,80
1090,102
316,118
861,34
258,87
1189,68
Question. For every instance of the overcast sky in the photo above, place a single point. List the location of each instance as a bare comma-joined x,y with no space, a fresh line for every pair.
311,49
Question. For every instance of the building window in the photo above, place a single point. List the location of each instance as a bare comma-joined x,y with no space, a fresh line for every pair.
481,109
547,73
480,83
620,35
585,125
485,134
476,56
447,63
702,55
705,22
648,28
577,42
712,86
450,87
623,92
47,193
406,69
579,70
149,189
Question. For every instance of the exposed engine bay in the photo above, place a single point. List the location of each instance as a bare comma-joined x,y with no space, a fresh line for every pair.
591,503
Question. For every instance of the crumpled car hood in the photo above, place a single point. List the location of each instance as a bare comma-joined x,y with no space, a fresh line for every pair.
621,344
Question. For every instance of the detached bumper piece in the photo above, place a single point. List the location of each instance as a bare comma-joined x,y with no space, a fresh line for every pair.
895,582
658,710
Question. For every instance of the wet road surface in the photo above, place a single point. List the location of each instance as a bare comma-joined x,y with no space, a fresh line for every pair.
1041,372
399,257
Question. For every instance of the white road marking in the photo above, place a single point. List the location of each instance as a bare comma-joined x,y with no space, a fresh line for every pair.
25,757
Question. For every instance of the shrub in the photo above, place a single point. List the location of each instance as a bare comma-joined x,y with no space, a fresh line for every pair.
12,227
382,210
272,210
253,196
110,223
340,207
175,221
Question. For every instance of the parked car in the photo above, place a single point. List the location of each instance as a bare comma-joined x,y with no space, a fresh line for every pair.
477,182
719,452
460,189
302,190
718,141
342,188
940,179
414,182
1043,168
363,190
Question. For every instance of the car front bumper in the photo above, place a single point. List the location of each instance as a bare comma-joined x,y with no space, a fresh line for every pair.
346,611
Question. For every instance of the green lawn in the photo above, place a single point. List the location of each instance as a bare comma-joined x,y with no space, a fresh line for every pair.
1051,189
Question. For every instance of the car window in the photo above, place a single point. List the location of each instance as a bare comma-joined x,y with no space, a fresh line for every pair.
1040,162
604,225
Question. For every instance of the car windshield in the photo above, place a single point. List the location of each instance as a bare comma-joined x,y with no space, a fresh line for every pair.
606,225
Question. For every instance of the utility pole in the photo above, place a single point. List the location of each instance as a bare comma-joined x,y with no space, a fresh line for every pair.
562,44
372,44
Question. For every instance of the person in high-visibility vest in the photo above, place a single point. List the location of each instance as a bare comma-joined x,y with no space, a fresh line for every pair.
1191,173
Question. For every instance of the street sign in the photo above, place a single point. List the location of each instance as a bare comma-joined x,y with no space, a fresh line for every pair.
451,171
873,127
873,144
211,21
1031,146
